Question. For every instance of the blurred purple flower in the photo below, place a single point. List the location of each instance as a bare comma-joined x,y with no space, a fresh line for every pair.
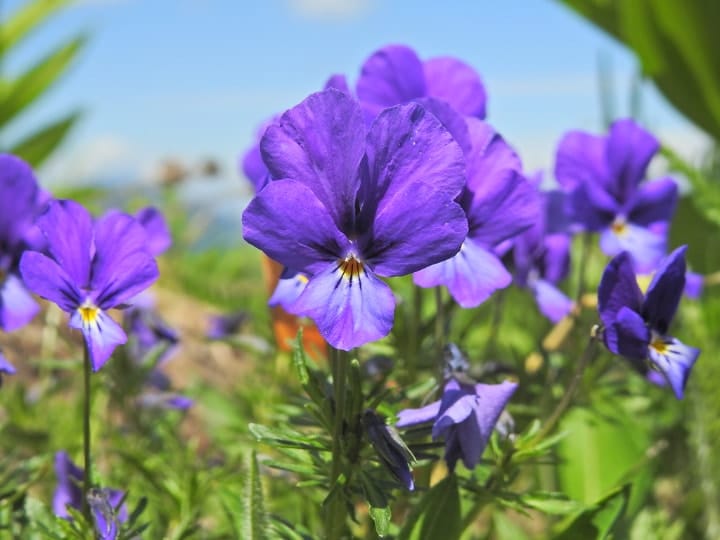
499,204
165,400
92,267
149,333
395,75
542,257
636,326
225,325
465,417
356,205
603,177
158,233
102,502
6,368
20,202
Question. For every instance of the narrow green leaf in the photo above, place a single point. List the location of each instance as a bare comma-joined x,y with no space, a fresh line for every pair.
26,19
299,359
254,517
437,515
550,503
381,517
37,147
25,89
598,520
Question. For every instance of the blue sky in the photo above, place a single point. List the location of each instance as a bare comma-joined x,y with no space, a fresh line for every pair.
194,78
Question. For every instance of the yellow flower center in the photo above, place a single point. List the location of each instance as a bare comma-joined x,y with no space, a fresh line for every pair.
643,281
89,313
350,267
619,226
659,345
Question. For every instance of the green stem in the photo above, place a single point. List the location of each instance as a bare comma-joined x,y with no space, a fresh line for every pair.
439,323
497,312
584,252
335,517
87,460
413,347
566,400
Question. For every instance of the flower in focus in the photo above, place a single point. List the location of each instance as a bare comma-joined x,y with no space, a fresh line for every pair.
391,449
6,368
464,417
499,203
350,205
20,202
103,502
91,267
542,257
395,75
636,325
603,177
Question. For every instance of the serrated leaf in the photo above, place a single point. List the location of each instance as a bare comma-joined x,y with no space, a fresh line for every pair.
25,89
38,146
25,19
381,517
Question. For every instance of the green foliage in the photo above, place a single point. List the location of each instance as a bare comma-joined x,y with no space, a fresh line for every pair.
23,90
597,522
437,514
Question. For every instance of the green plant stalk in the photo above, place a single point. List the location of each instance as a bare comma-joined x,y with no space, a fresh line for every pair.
335,520
495,322
584,252
87,460
413,347
567,397
439,323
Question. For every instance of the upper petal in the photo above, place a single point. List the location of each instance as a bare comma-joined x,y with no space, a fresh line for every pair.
618,288
458,411
48,279
290,224
408,216
18,195
665,290
580,159
338,82
349,310
591,206
457,83
490,159
121,267
629,150
556,259
628,335
390,76
410,417
68,228
320,143
17,307
654,201
156,228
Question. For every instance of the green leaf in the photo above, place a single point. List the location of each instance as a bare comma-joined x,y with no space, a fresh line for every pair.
254,517
26,19
437,515
285,437
36,148
21,92
550,503
381,517
598,520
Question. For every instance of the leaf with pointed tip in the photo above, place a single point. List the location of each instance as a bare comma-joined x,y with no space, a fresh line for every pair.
27,18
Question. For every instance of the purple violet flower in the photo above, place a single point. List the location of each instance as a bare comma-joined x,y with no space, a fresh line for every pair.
542,257
6,368
390,448
225,325
465,417
395,74
289,288
92,267
636,326
499,203
20,201
603,177
351,205
102,502
149,333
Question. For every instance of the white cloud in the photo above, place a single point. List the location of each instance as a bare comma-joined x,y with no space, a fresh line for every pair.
331,9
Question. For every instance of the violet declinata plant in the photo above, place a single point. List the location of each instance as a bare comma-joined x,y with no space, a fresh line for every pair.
636,326
349,204
91,267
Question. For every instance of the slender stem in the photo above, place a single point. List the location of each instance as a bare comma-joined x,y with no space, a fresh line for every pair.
335,519
87,462
497,312
413,347
564,403
439,323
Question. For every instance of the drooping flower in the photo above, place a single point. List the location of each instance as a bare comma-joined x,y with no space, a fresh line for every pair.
6,368
103,502
20,202
499,204
464,417
604,178
541,256
636,325
390,448
350,205
395,75
91,268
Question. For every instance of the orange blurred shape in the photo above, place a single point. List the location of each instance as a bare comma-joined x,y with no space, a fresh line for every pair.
285,325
